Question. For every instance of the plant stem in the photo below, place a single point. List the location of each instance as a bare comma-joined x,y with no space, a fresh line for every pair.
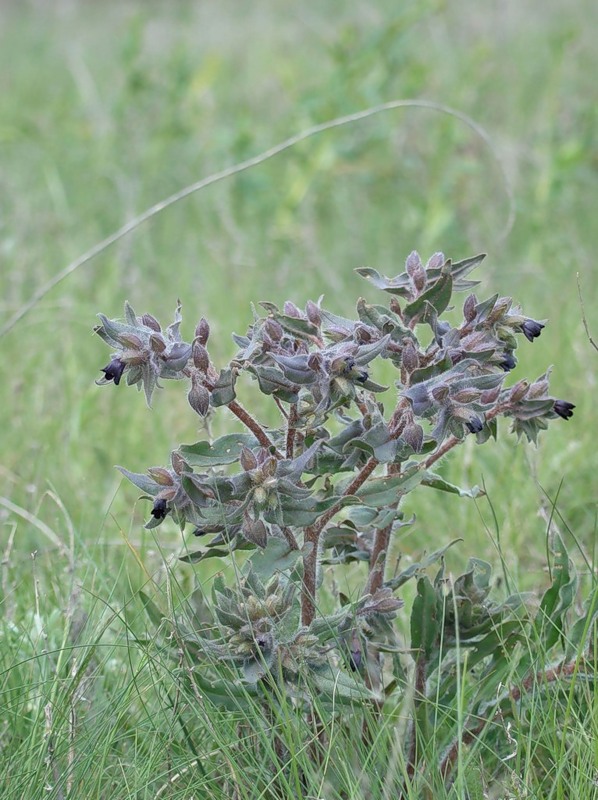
291,541
242,414
452,441
249,422
291,430
381,542
312,535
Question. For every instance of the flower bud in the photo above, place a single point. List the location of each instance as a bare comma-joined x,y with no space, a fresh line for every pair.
247,459
490,395
291,310
466,396
151,322
410,357
519,391
469,312
436,261
416,271
440,393
313,313
199,398
273,329
202,331
131,340
157,343
161,476
502,305
201,359
414,436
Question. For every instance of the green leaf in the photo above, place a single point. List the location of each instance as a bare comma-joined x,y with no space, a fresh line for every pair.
558,598
459,269
400,285
414,569
224,694
339,687
130,315
202,555
152,610
225,450
302,328
380,492
425,623
303,512
141,481
368,352
223,392
384,320
432,371
501,639
438,297
582,628
377,442
437,482
273,381
277,556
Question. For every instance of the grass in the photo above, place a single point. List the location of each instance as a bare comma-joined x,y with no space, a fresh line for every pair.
104,111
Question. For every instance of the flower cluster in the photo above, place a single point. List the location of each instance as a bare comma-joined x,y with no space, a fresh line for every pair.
143,351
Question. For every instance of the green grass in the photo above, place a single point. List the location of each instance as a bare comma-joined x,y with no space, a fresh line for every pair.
108,108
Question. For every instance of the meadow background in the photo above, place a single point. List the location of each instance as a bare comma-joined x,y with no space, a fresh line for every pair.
106,108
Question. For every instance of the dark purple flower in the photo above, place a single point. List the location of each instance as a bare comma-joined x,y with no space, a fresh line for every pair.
114,370
563,409
509,361
355,659
475,425
531,329
160,509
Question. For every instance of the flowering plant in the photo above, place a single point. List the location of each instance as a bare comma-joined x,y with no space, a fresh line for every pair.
327,485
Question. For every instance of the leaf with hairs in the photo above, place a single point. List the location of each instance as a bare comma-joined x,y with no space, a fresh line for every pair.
419,566
425,619
225,450
438,482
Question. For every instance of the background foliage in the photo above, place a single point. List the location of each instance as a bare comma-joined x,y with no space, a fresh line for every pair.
105,109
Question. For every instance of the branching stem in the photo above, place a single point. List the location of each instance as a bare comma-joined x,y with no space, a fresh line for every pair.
312,535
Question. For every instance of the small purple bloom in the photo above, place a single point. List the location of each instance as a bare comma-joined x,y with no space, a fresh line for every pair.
531,329
114,370
160,509
475,425
509,362
563,409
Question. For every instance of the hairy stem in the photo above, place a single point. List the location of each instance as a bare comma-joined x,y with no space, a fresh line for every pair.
291,430
452,440
291,541
312,535
381,542
257,430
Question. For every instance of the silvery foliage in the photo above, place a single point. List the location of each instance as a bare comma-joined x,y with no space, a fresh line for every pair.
324,486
